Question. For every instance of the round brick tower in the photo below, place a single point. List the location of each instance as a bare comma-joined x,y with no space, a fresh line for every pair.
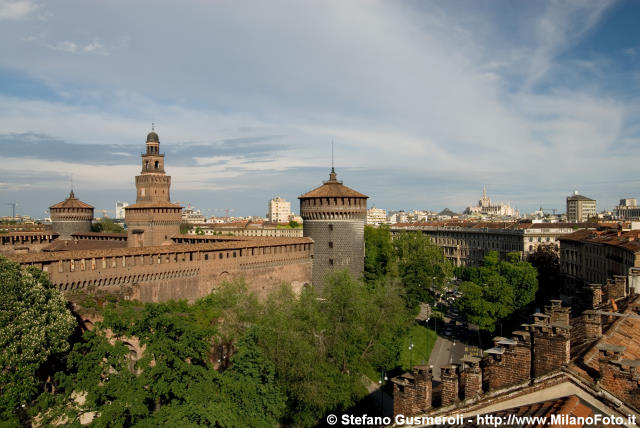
71,216
334,217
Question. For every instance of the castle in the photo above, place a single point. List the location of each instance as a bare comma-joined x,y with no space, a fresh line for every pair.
154,262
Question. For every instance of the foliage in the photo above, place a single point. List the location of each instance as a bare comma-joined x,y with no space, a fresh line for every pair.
294,224
546,261
321,348
35,324
294,357
107,225
185,228
495,290
379,258
422,267
199,231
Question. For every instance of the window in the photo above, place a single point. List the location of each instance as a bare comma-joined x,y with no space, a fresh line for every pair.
330,226
330,244
331,262
156,164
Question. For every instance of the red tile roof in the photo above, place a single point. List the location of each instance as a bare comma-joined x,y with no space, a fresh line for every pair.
71,202
332,189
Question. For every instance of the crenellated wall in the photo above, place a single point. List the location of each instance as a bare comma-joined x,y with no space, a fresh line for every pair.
182,271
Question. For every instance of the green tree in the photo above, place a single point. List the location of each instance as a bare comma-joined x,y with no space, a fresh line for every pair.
495,290
107,225
185,228
422,267
546,261
35,324
379,258
294,224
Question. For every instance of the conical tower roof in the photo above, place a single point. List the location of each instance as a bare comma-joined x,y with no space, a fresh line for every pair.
333,188
71,202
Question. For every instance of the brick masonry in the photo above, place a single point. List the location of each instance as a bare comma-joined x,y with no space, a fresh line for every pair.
184,271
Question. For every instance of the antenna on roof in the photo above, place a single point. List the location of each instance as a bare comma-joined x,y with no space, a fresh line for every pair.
332,168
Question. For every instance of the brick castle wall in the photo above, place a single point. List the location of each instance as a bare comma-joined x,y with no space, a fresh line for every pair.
187,271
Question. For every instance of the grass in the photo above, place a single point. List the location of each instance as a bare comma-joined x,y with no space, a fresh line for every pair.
423,340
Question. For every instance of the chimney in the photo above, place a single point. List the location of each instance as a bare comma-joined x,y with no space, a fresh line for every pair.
507,363
619,377
596,295
423,376
556,312
449,379
551,346
471,378
593,324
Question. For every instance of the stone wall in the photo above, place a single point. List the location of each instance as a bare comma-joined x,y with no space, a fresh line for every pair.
186,271
25,242
338,244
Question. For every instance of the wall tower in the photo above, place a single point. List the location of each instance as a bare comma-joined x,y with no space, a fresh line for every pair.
153,219
334,216
71,216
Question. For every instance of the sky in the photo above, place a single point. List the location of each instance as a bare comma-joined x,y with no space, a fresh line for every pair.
425,101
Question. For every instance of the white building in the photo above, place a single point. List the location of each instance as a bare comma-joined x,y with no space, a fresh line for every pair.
189,215
279,210
120,209
376,216
486,207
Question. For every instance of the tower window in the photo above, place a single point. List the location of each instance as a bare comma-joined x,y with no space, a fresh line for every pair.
330,244
331,262
157,163
330,226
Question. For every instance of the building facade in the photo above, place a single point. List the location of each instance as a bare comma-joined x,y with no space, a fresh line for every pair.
596,256
120,212
153,219
334,216
580,208
466,243
279,210
627,210
376,216
71,216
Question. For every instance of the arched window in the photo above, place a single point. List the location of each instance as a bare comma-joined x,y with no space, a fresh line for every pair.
157,163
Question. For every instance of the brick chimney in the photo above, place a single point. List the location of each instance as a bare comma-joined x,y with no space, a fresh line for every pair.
507,363
595,295
619,377
423,375
593,324
551,345
412,392
556,312
470,378
449,382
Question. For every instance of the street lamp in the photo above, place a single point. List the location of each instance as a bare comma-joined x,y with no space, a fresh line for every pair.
411,354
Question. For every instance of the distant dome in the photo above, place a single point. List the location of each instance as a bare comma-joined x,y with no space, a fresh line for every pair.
152,137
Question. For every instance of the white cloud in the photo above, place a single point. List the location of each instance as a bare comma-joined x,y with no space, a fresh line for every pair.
16,9
419,92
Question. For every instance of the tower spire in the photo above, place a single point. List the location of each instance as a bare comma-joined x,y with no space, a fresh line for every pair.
332,175
332,168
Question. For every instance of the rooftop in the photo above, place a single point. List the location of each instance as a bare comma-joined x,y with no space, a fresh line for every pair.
71,202
332,189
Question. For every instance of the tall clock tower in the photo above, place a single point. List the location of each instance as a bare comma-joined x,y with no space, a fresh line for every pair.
153,219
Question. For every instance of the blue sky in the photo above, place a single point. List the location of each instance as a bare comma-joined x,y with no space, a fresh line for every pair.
425,101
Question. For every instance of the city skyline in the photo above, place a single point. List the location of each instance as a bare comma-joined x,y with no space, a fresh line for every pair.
425,103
